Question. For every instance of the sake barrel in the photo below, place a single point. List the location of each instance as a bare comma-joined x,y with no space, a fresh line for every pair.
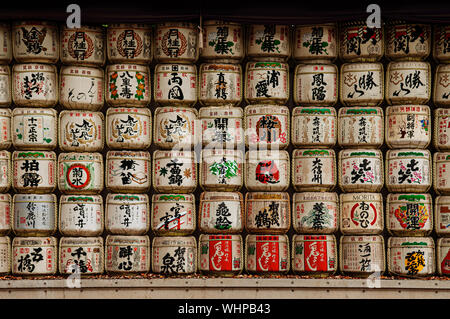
175,127
268,42
81,131
316,43
221,254
443,256
411,256
5,255
6,48
173,214
361,213
441,132
34,256
5,171
127,214
362,83
441,89
81,88
128,128
267,171
441,43
5,83
221,170
316,84
34,85
314,126
174,171
220,84
360,43
315,212
266,82
408,126
174,255
314,255
34,214
5,214
440,175
267,254
81,255
221,126
85,45
361,170
221,212
408,41
80,173
223,41
127,85
442,216
266,126
34,171
408,170
35,41
175,84
129,43
267,212
34,128
127,254
362,255
81,215
408,82
176,42
313,170
361,127
128,171
409,214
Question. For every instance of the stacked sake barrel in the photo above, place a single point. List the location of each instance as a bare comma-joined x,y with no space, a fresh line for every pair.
176,136
34,137
409,218
221,205
360,137
267,163
441,142
314,127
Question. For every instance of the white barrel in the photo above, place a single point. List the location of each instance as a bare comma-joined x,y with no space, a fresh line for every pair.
127,254
359,42
408,170
127,214
128,171
175,84
129,43
268,42
85,45
34,85
317,43
34,171
361,84
441,52
408,41
81,88
220,84
5,214
442,216
221,170
316,84
6,48
176,42
315,213
5,255
174,171
80,173
127,85
411,256
408,82
314,127
34,128
361,127
220,254
443,256
441,91
267,254
5,171
174,255
35,41
34,256
361,170
81,131
361,213
81,255
81,215
441,131
5,83
221,212
173,214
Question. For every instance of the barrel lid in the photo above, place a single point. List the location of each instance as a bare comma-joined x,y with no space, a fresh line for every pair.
32,67
69,241
222,196
127,67
74,156
282,196
125,197
413,197
355,239
74,70
411,242
173,198
230,112
34,198
417,109
267,108
86,199
314,110
220,67
317,67
360,153
315,196
190,67
38,155
174,241
361,110
312,152
171,109
128,110
350,197
35,111
34,241
266,154
126,240
142,155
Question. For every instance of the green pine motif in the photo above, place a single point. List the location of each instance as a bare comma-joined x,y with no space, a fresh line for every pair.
204,249
163,171
47,140
251,250
299,250
231,168
222,226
